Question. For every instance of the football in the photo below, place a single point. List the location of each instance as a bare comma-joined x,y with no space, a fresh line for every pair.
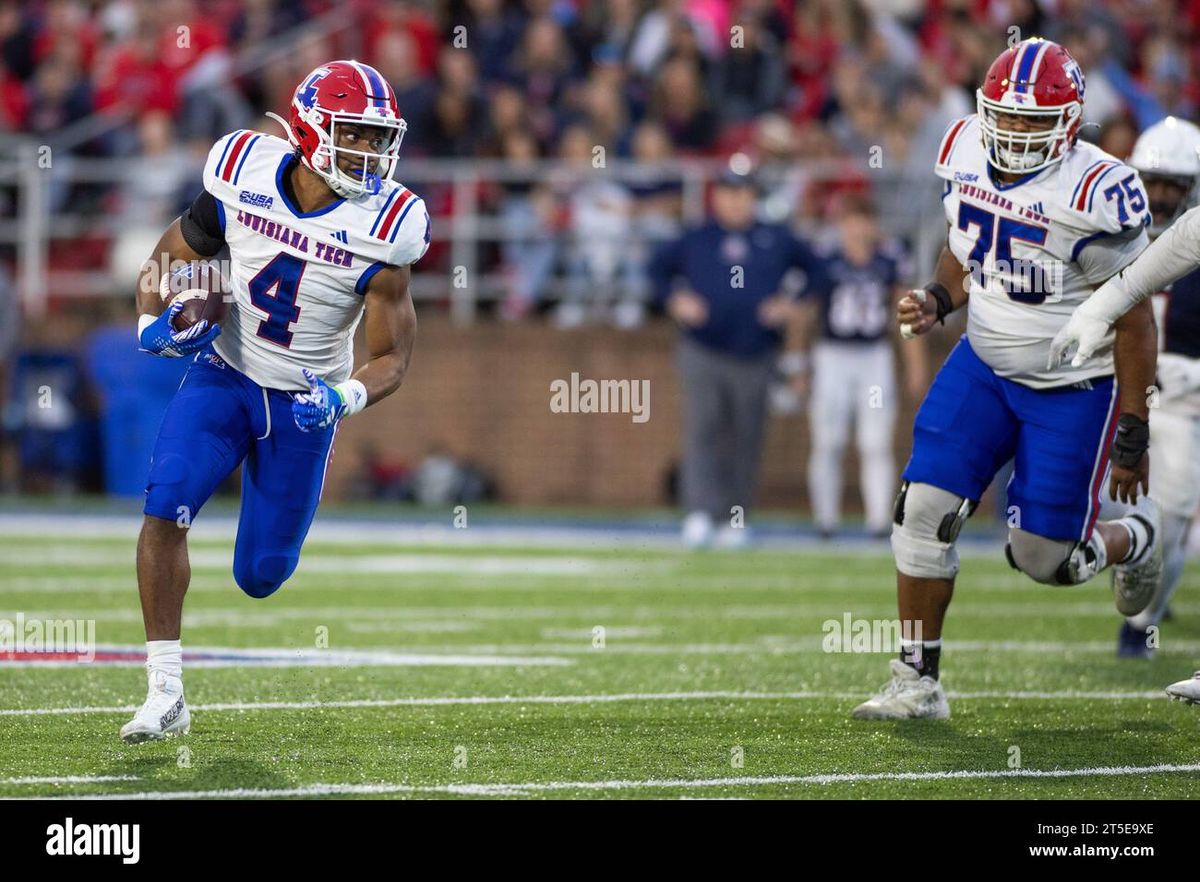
201,288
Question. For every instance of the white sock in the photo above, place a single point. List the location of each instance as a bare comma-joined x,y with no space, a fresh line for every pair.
1139,538
165,656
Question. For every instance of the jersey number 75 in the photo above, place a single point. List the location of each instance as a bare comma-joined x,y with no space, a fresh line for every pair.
1024,280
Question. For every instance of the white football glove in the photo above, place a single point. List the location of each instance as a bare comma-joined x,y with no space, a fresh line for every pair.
1086,333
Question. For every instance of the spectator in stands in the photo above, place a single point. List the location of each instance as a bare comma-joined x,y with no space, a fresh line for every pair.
59,94
544,70
404,18
607,117
154,182
399,63
597,250
527,211
750,79
655,210
506,115
681,106
493,34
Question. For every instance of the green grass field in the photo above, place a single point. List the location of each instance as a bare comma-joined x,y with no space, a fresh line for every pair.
486,680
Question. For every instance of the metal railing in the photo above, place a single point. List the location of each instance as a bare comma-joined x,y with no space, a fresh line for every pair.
465,224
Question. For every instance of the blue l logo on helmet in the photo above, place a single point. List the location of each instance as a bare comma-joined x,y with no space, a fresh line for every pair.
308,89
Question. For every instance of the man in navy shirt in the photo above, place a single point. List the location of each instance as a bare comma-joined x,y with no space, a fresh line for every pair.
724,284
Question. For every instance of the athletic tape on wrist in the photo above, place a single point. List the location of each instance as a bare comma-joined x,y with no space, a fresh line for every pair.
354,395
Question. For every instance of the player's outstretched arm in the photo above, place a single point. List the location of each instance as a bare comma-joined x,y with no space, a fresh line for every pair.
919,310
391,326
1169,257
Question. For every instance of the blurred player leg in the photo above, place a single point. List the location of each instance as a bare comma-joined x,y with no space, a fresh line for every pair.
205,434
876,420
282,483
830,413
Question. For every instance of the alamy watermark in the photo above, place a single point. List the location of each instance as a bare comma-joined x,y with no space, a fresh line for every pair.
601,396
869,635
68,636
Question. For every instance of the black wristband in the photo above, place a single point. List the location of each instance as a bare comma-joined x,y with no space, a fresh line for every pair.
945,305
1131,441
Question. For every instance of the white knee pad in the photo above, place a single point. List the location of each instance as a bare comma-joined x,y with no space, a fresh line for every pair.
925,526
1054,561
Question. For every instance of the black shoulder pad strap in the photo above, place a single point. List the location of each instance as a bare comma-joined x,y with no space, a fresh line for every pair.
201,225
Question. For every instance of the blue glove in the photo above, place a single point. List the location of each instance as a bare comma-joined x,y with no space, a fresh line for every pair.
159,338
318,408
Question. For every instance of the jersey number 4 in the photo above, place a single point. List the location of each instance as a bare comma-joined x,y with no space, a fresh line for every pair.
274,291
1024,281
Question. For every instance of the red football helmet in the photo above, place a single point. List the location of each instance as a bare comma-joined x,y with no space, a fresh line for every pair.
1039,81
338,93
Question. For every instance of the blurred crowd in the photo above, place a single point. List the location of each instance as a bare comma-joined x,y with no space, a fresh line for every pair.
862,87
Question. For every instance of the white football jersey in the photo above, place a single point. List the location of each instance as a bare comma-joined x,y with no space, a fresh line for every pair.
1037,248
299,278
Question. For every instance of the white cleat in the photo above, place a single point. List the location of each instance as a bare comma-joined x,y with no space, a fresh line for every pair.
908,696
698,530
1134,584
164,714
1186,690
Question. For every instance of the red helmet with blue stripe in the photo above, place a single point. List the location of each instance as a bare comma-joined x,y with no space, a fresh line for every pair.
341,93
1038,81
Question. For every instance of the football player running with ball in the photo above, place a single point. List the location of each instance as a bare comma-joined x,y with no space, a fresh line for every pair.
1169,153
317,233
1036,220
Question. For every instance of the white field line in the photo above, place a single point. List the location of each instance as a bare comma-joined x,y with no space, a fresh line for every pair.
502,653
420,626
350,532
66,779
787,646
635,697
307,658
612,632
395,574
516,789
248,613
88,558
661,580
228,617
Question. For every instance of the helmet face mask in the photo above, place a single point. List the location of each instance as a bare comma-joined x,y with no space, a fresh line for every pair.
1014,151
350,172
1169,197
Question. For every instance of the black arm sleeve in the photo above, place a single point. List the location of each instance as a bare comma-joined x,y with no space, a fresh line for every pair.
201,225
